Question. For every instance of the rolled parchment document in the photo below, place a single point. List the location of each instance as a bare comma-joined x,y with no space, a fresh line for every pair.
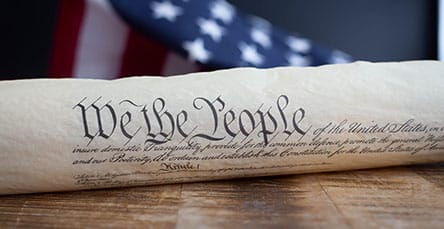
71,134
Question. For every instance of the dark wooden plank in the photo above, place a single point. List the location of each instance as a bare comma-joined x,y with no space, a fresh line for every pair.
154,206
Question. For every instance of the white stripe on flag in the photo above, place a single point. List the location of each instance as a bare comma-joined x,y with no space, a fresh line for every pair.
102,41
176,65
441,30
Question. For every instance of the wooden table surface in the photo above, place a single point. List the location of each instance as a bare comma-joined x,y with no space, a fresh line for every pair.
398,197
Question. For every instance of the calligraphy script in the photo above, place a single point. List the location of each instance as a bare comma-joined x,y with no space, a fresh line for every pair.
158,124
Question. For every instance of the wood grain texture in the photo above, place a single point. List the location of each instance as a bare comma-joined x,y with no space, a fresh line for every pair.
399,197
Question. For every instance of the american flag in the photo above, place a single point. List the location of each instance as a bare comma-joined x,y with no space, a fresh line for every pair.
114,38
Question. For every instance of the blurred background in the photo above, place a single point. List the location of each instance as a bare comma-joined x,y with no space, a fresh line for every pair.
373,30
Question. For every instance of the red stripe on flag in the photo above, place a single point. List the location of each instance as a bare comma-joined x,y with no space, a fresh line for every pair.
66,37
142,56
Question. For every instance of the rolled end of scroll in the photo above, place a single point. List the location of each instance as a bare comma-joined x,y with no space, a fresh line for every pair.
73,134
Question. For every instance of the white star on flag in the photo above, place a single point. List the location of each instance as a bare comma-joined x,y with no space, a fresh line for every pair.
298,60
338,57
299,44
211,28
250,54
196,50
166,10
222,10
261,23
261,37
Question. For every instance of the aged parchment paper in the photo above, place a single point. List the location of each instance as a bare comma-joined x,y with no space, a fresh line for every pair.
70,134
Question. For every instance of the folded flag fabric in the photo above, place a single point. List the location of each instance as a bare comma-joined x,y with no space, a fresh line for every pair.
216,34
165,37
